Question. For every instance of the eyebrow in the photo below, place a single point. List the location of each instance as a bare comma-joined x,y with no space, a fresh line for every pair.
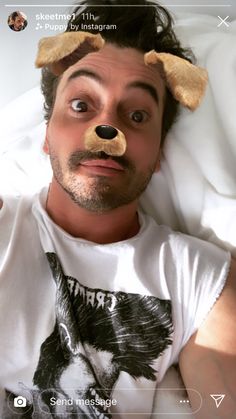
148,88
83,72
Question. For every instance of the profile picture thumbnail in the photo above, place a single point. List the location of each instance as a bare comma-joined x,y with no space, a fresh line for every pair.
17,21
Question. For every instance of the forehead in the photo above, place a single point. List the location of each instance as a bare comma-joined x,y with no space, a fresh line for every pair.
118,65
19,19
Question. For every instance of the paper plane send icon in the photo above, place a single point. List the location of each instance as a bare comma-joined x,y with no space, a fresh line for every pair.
218,398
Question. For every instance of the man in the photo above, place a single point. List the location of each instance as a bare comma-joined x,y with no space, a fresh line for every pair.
97,300
17,22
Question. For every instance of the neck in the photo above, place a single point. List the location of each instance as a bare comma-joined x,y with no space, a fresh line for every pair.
108,227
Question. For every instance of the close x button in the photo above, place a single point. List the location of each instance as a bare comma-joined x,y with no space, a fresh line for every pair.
223,21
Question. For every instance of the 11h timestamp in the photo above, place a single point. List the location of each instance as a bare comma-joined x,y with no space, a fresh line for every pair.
88,16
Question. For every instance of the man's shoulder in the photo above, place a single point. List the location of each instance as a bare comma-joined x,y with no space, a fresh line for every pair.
26,199
11,205
15,219
177,240
184,249
9,201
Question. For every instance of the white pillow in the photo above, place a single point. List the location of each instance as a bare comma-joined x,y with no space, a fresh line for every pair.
196,191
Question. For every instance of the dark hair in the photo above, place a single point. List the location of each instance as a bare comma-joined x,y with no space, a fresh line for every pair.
144,26
14,15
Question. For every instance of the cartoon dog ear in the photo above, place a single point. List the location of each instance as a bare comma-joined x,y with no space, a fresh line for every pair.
61,51
186,81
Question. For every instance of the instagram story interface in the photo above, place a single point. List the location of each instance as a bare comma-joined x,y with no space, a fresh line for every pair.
117,191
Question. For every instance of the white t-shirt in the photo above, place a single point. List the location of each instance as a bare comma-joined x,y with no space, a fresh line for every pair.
91,328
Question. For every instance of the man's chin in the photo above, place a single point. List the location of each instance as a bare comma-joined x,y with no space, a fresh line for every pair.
99,201
96,204
99,194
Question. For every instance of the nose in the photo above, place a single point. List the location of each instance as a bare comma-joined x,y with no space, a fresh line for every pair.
106,132
105,138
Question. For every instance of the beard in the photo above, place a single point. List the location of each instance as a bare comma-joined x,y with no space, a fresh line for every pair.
99,193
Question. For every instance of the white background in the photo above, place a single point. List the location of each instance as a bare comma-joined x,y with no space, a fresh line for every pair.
18,49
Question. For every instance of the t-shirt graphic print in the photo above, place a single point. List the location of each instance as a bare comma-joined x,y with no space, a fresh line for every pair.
97,335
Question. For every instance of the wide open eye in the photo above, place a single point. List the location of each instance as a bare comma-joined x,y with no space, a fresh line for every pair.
79,105
139,116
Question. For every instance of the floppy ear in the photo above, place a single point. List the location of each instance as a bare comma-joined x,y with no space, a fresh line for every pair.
186,81
61,51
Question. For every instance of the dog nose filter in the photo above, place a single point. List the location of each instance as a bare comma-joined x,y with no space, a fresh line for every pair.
106,132
105,138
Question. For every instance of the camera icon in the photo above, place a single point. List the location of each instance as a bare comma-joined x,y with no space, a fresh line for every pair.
19,401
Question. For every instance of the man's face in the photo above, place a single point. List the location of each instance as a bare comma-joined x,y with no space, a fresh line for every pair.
18,22
113,87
